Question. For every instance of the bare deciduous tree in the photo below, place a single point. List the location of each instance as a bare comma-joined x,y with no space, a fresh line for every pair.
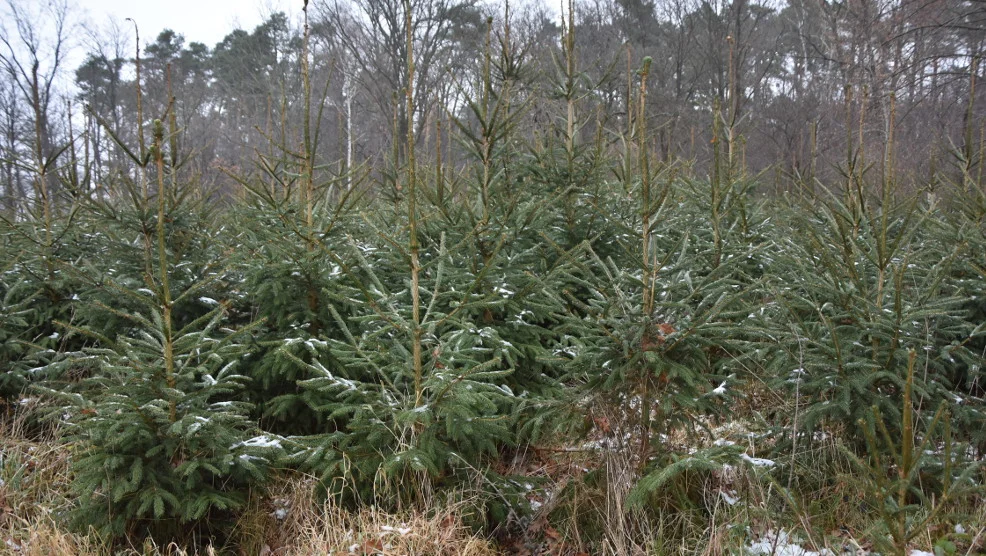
34,43
370,35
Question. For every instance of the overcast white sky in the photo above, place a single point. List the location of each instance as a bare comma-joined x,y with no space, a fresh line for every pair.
205,21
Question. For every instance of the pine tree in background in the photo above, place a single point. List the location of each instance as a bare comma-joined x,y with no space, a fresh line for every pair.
963,229
672,367
21,342
294,290
968,283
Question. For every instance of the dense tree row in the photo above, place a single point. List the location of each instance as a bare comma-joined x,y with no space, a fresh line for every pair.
473,241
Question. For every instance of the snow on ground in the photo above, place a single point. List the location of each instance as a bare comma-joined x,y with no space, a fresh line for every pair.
780,543
757,462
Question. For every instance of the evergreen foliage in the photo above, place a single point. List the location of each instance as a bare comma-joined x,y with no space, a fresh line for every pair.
425,387
855,295
909,481
162,437
37,285
406,331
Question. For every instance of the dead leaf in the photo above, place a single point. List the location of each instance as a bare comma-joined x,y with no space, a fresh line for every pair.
603,424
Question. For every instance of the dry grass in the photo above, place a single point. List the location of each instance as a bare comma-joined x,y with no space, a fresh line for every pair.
44,537
288,521
591,516
34,481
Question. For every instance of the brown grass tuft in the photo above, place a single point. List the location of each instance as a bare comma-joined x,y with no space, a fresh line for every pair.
34,490
288,521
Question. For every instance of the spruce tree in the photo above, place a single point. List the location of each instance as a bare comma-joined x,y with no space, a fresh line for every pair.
442,311
163,438
654,342
853,295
